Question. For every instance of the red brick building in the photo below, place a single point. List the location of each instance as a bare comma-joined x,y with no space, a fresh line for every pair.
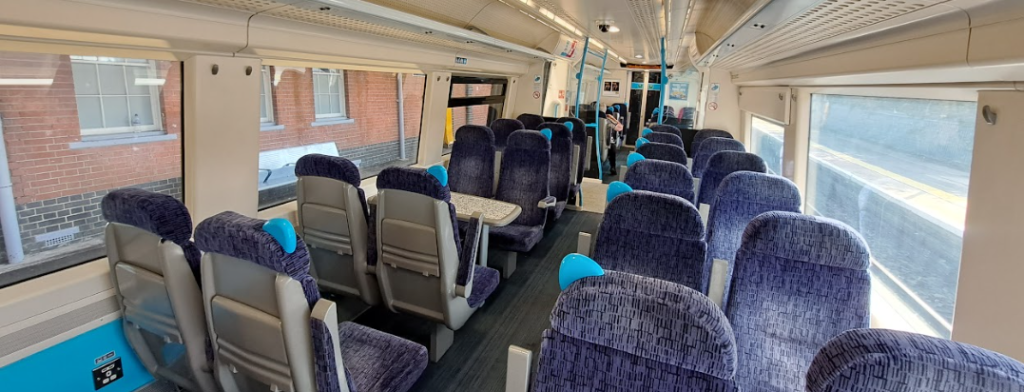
76,127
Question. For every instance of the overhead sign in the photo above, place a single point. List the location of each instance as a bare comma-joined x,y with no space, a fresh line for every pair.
461,60
644,66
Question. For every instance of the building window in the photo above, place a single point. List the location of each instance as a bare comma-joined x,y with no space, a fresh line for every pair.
266,98
116,95
766,140
329,93
897,170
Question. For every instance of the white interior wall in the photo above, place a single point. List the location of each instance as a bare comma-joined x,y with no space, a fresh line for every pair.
720,103
556,96
988,310
529,91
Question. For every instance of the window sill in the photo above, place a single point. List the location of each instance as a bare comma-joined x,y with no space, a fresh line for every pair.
332,121
271,127
121,141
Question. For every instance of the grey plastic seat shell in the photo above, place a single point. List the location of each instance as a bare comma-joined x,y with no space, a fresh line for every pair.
332,223
261,337
161,303
419,259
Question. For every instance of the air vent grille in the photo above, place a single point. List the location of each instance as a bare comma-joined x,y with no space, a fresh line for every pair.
241,5
454,12
826,20
648,16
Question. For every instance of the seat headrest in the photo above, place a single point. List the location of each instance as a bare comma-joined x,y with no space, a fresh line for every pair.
413,180
160,214
886,360
709,133
337,168
664,152
746,186
665,137
806,238
649,318
528,140
507,125
558,130
733,161
474,134
666,129
530,121
232,234
715,144
656,213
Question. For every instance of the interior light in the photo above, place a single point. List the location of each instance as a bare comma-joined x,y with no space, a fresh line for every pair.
639,56
527,2
149,82
25,82
596,43
613,29
565,23
547,13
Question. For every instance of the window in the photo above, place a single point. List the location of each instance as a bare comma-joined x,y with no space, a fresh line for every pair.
473,101
766,141
50,105
897,170
329,93
266,98
370,131
116,95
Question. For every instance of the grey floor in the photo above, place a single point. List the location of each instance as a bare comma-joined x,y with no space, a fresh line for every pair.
516,314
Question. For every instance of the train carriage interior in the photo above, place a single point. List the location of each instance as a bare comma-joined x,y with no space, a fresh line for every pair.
511,195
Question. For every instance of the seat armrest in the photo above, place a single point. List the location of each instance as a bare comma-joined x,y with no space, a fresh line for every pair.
326,312
583,244
517,377
467,256
547,202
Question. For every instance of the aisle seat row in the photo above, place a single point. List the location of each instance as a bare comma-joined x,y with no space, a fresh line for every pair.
766,290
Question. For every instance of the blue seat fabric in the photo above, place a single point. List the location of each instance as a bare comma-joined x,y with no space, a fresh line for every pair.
341,169
524,182
659,176
471,168
502,128
560,172
723,164
705,134
709,148
665,138
530,121
157,213
663,152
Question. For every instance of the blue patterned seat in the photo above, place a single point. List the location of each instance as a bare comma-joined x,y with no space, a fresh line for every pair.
560,173
654,235
723,164
579,140
741,197
663,152
155,270
471,168
524,181
663,128
658,176
621,332
666,138
879,360
709,148
705,134
259,295
423,259
334,221
531,121
503,128
799,281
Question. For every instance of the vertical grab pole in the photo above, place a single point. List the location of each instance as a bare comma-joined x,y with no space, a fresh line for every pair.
597,121
579,76
664,83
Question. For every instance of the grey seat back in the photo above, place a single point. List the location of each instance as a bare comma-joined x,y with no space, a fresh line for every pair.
332,220
155,271
259,302
419,247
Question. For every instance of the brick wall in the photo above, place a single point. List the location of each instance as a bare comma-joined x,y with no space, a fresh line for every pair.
58,188
372,102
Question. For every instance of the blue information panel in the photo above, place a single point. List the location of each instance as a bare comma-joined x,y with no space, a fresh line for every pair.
100,359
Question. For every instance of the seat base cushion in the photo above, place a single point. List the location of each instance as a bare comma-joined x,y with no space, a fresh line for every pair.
485,280
517,238
377,361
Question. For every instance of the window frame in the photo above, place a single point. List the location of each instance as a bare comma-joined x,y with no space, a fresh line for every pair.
342,97
154,98
267,98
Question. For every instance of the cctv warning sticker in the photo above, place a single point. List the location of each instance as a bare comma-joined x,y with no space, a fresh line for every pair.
107,374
